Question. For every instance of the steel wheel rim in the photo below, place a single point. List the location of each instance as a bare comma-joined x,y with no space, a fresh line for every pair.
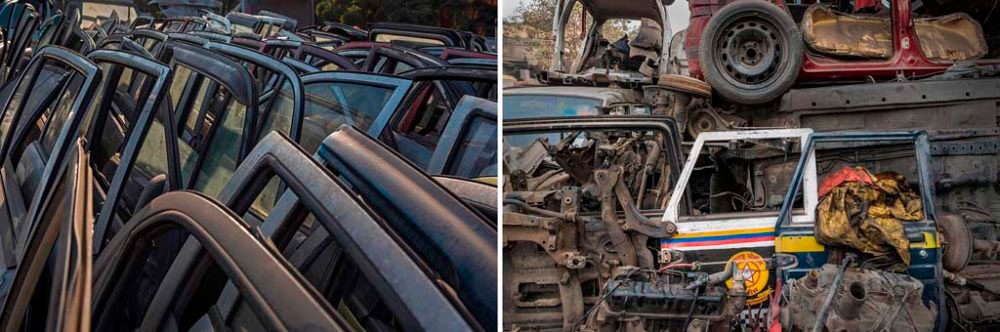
749,51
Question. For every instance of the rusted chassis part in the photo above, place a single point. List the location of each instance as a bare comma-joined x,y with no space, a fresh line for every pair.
585,247
558,233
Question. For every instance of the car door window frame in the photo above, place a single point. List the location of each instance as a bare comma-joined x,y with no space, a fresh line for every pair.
456,239
284,72
468,109
418,299
276,292
399,85
65,236
136,134
91,75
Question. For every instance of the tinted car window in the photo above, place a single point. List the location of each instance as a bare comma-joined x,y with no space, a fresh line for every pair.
32,95
329,105
417,131
476,154
223,152
152,158
59,114
535,106
279,118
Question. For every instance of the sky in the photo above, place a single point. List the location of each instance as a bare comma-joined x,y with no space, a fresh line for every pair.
677,12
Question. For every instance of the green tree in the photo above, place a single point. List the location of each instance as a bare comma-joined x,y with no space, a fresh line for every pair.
471,15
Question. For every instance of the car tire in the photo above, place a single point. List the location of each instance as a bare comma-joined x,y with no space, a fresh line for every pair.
751,52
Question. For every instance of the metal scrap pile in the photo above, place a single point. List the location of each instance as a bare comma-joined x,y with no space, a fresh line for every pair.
866,212
577,243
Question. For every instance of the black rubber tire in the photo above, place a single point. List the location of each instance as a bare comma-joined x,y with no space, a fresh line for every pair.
957,249
789,52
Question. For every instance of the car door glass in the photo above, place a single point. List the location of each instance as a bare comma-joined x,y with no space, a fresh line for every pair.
48,81
322,261
59,114
152,159
337,277
401,67
417,131
181,77
191,124
190,137
279,118
57,211
223,154
89,116
138,286
476,154
332,104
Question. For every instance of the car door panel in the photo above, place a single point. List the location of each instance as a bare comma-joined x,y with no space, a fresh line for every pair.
271,287
57,256
399,87
455,240
451,147
154,95
57,140
417,299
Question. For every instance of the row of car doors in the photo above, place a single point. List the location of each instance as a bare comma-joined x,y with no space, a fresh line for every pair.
324,259
94,163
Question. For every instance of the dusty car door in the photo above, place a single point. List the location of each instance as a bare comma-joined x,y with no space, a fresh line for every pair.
424,233
281,97
480,195
152,40
416,34
716,236
363,100
419,123
117,127
925,248
21,20
322,58
33,148
391,59
221,249
457,242
196,137
468,144
50,287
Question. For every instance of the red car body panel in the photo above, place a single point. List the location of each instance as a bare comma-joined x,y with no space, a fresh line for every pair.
907,59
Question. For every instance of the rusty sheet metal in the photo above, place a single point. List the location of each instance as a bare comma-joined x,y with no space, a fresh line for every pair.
950,37
867,215
953,37
834,33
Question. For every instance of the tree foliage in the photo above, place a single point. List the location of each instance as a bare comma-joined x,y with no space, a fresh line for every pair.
471,15
532,24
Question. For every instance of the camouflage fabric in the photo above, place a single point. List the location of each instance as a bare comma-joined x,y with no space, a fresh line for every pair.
868,216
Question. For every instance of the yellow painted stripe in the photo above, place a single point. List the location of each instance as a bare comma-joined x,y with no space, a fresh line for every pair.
809,243
797,244
721,233
930,242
